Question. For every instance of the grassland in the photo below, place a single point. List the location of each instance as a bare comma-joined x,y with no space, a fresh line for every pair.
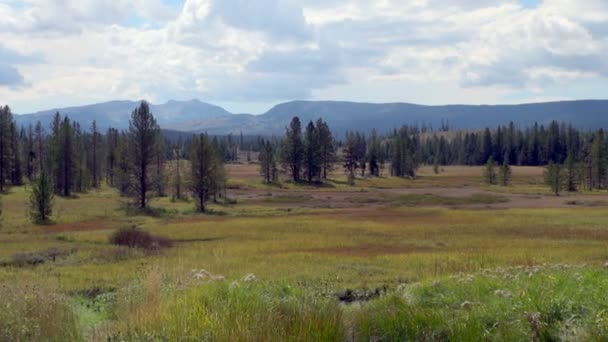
442,257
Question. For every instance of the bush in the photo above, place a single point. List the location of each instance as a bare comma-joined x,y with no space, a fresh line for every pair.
137,238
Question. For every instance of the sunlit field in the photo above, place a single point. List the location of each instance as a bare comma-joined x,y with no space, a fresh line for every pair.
442,257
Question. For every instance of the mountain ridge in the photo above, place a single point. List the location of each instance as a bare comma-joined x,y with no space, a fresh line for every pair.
197,116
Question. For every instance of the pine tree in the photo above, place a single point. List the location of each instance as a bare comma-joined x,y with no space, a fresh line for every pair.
571,170
160,178
95,147
143,134
29,154
350,157
123,170
553,177
327,148
268,164
599,160
207,171
292,155
16,172
5,146
374,154
177,170
41,199
312,154
64,159
505,171
490,176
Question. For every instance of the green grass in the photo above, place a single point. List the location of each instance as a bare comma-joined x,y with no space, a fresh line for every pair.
302,258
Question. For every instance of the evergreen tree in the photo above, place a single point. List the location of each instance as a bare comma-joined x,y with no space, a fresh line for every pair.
505,171
327,148
16,173
404,161
268,164
143,135
599,161
571,170
207,171
123,170
64,159
177,170
5,145
95,148
490,176
374,154
350,156
553,177
41,199
29,154
312,154
293,150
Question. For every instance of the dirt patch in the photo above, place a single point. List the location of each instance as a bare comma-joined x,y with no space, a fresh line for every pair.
81,226
369,250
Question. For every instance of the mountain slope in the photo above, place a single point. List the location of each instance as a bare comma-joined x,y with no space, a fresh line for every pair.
117,113
196,116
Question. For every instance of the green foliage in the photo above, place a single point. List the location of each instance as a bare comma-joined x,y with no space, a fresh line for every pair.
313,159
505,173
292,153
404,158
554,178
41,199
142,146
489,175
268,162
208,174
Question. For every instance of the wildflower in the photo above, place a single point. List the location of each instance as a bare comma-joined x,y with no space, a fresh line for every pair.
503,293
249,277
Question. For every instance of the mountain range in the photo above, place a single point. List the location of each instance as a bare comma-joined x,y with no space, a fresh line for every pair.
197,116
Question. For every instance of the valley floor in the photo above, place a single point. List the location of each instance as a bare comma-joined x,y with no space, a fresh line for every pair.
442,257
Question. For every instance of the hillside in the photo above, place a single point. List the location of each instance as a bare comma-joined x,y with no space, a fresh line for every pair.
197,116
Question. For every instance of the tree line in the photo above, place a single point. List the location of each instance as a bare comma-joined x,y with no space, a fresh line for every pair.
66,158
139,162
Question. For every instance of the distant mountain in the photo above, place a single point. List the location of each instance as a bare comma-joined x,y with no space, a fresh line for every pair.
117,113
196,116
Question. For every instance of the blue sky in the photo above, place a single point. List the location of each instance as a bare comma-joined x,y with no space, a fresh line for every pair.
248,55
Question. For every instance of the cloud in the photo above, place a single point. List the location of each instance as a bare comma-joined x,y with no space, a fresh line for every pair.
10,76
275,50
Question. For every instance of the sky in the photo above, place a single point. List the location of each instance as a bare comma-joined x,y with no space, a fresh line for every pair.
248,55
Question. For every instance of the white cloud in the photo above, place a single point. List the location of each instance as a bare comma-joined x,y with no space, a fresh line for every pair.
266,51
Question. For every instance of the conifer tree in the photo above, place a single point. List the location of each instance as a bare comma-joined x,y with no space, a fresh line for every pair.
143,135
207,174
490,176
505,171
327,148
41,199
268,164
553,177
571,173
292,155
350,157
312,153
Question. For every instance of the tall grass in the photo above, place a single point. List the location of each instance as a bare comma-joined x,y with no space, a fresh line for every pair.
248,311
35,313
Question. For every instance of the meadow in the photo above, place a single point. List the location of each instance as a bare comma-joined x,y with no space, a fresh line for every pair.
439,258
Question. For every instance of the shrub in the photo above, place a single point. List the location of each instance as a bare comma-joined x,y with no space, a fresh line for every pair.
137,238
